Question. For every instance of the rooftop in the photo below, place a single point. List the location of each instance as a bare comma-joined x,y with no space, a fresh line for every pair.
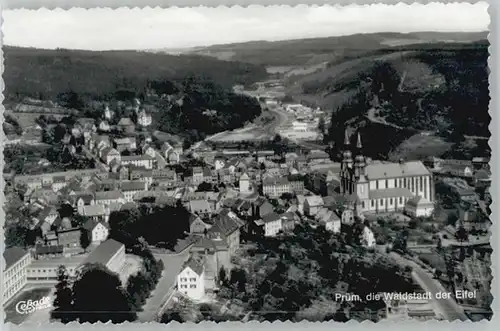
104,252
391,170
12,255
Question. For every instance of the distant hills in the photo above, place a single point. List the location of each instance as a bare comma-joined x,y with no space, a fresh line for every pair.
317,50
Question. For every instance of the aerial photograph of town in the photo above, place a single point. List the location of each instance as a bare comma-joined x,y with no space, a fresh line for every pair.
247,164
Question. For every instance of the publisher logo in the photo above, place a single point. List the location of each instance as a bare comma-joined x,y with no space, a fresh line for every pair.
30,306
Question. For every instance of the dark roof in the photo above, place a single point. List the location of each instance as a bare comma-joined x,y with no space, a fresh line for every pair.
12,255
227,222
104,252
91,224
195,265
271,217
43,249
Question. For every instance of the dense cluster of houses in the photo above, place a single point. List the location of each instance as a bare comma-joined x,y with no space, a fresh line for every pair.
227,192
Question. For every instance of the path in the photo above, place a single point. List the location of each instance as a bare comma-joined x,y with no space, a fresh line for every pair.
447,308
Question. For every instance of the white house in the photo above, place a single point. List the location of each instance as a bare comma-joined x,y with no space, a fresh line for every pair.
272,224
96,231
368,238
313,204
191,280
144,161
419,207
244,184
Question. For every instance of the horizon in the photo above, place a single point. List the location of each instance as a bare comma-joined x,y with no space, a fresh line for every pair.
187,28
264,41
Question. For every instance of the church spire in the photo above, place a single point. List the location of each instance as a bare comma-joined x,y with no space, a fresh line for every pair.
358,144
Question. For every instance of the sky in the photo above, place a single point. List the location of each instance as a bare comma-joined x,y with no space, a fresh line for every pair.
157,28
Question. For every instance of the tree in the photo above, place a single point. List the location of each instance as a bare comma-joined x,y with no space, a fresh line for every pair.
63,305
462,234
66,210
171,315
84,240
222,276
322,125
98,296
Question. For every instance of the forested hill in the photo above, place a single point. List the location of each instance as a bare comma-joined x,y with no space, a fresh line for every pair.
44,74
312,51
440,89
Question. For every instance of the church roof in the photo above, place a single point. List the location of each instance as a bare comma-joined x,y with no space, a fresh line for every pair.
392,170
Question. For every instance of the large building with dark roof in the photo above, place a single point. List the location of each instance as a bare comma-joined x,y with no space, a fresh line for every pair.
14,274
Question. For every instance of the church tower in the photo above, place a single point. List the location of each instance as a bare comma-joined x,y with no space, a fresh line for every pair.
362,184
346,168
360,161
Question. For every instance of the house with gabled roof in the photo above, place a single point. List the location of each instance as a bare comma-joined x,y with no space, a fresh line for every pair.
126,125
197,226
97,231
191,279
313,204
227,227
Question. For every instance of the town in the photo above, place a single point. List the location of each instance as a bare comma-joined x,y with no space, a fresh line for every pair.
232,199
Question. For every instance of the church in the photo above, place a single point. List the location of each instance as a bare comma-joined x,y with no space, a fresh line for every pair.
378,187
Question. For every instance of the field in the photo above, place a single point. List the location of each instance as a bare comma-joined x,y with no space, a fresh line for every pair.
420,146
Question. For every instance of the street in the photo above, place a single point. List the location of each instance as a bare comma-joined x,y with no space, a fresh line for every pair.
164,289
447,308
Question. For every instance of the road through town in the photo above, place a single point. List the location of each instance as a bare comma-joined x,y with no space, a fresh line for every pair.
164,289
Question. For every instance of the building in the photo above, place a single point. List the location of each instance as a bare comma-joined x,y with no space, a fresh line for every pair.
313,204
271,223
244,184
126,125
191,280
15,272
97,212
109,154
227,228
131,188
274,187
96,231
110,254
44,270
200,207
125,144
383,187
296,183
144,161
197,226
261,207
109,197
419,207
